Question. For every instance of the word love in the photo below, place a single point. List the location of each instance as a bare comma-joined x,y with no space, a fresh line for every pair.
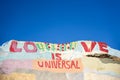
33,47
18,46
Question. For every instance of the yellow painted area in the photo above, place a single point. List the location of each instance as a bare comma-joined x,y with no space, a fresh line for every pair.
96,64
17,76
93,76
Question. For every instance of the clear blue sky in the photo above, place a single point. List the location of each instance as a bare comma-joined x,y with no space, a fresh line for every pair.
60,21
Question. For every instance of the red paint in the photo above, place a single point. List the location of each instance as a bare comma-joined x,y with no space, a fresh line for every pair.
103,47
58,49
53,57
48,46
86,47
26,44
13,47
68,47
58,45
59,64
58,56
67,65
40,65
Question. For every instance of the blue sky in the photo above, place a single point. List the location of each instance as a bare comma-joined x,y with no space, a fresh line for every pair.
60,21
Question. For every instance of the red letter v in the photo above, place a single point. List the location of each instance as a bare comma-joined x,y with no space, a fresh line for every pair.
85,46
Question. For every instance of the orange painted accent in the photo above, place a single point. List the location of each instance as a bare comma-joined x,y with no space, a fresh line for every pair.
58,65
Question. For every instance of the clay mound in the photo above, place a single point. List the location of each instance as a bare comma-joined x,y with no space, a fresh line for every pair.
114,58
